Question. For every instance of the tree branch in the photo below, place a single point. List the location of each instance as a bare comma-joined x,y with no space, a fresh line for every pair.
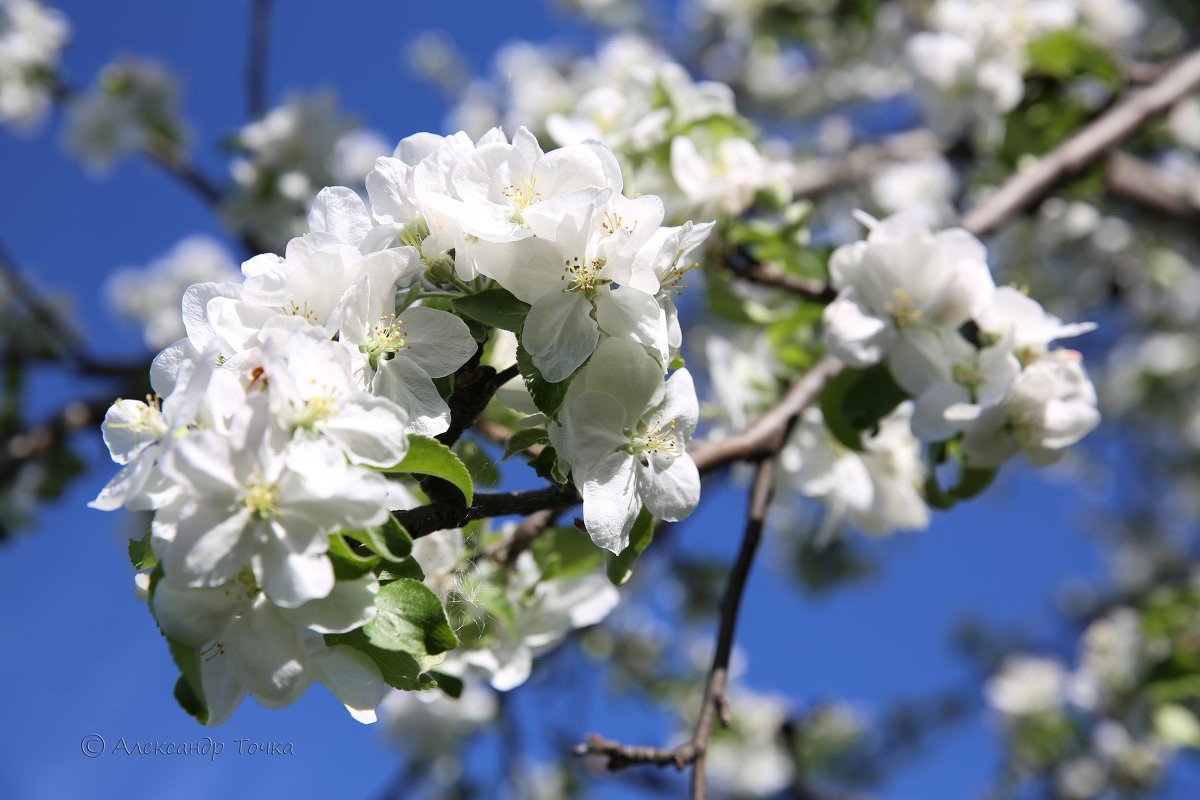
821,174
1093,141
449,513
256,58
1143,182
715,706
766,434
769,274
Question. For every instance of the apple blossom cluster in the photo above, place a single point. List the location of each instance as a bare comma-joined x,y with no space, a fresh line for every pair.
284,158
680,139
975,357
133,105
970,64
877,489
500,641
295,389
31,39
1112,720
150,295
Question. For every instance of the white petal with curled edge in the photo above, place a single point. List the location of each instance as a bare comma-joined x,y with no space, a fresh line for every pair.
560,334
340,211
610,501
292,579
930,422
197,616
223,690
268,655
407,385
592,427
370,430
852,334
352,677
440,342
210,544
672,490
350,605
624,370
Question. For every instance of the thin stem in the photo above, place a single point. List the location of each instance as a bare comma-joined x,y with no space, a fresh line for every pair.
257,57
715,705
1085,146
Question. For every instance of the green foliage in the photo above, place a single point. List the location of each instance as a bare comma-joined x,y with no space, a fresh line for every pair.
620,566
478,463
548,397
140,554
400,670
1052,108
828,565
545,464
389,540
524,438
189,692
971,480
856,399
430,457
347,564
411,619
495,307
1068,54
565,552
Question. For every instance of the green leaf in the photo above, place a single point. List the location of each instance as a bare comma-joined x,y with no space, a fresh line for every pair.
1068,54
430,457
188,700
191,696
620,567
347,564
565,552
140,554
411,619
394,570
389,540
399,670
524,438
444,386
449,684
548,397
856,399
496,307
483,470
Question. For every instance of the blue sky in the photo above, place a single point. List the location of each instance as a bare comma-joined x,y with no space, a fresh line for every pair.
83,656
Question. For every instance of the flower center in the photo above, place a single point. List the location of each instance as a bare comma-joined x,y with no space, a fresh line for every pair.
302,310
584,275
385,341
611,222
654,440
521,197
317,409
145,417
261,499
672,279
902,313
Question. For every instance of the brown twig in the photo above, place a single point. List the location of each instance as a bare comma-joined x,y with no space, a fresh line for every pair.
821,174
257,53
1092,142
769,274
1141,181
451,513
765,435
715,706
